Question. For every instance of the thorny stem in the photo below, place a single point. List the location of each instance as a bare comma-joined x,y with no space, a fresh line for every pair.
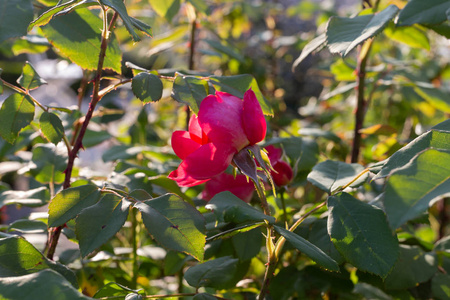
56,232
361,102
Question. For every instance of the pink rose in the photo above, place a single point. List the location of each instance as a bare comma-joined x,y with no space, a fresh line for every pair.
283,172
238,186
225,125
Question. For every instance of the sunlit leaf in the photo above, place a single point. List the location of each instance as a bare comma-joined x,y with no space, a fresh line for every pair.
229,208
48,163
32,198
45,17
316,44
51,127
423,12
166,9
30,79
312,251
78,36
412,189
147,87
344,34
409,35
215,273
28,226
174,224
121,9
16,113
331,175
68,203
15,17
190,90
362,235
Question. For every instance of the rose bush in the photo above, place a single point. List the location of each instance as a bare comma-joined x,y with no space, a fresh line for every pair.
283,173
225,125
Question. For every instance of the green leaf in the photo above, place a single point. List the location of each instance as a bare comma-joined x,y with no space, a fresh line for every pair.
310,250
315,45
437,98
1,82
174,224
437,138
15,17
423,12
440,286
166,9
330,175
174,261
237,85
225,49
344,34
318,235
31,198
412,189
95,225
30,44
16,113
28,226
68,203
121,9
411,36
215,273
112,289
229,208
45,17
147,87
43,285
51,127
204,296
247,244
190,90
30,79
141,26
77,35
361,234
414,266
48,163
92,138
200,5
18,257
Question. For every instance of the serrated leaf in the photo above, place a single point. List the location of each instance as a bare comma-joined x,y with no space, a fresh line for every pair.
121,9
437,138
51,127
18,257
423,12
15,17
174,224
229,208
28,226
30,44
414,266
45,17
360,232
95,225
237,85
48,163
190,90
214,273
31,198
147,87
412,189
314,45
309,249
411,36
141,26
30,79
331,175
68,203
36,287
166,9
344,34
16,113
77,35
113,289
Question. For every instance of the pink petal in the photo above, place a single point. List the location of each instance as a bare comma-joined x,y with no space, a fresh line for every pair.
207,161
283,174
274,153
238,186
220,117
196,131
182,144
253,118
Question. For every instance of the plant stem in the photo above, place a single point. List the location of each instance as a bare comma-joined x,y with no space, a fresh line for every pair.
283,204
191,63
361,103
24,92
55,233
134,257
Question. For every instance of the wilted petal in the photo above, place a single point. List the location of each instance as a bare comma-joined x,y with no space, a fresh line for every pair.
183,145
207,161
253,118
220,117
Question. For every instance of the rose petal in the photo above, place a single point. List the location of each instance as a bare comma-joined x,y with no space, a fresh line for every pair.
253,118
283,174
238,186
207,161
220,117
274,153
183,145
196,131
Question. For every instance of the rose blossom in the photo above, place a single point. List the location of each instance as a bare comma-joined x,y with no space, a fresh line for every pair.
239,186
283,173
225,125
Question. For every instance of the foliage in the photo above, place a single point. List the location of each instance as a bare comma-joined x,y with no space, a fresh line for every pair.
92,90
